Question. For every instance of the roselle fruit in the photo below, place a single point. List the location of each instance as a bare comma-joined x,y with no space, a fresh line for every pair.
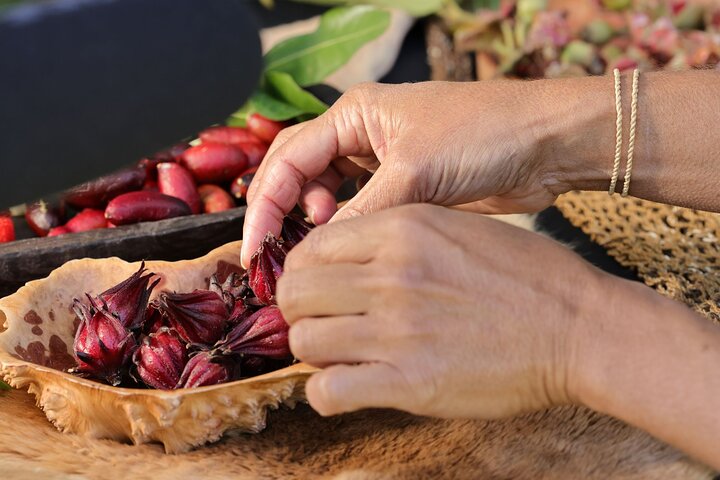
144,206
102,345
96,193
87,219
128,300
264,333
215,162
206,368
228,135
215,199
266,266
240,185
161,359
231,290
294,229
177,181
264,128
61,230
42,217
198,317
154,320
254,151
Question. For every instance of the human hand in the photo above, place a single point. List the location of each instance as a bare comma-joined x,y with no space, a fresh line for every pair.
435,142
437,312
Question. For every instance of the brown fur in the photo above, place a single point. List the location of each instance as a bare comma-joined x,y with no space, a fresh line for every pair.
565,443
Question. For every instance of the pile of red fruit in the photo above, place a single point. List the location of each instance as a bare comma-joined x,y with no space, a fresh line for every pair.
231,330
211,176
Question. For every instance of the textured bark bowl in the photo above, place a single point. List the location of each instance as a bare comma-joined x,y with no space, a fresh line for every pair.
35,349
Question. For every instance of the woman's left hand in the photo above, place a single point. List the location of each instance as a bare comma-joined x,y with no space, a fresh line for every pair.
437,312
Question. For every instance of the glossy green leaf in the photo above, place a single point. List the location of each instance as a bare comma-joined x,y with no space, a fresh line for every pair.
310,58
418,8
239,118
273,108
284,87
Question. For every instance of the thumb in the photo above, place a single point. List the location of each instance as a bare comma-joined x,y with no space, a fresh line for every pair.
387,188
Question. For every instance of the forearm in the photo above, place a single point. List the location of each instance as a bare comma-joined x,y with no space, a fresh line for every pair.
654,363
677,143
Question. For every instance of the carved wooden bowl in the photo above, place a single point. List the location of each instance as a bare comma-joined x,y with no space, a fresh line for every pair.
35,351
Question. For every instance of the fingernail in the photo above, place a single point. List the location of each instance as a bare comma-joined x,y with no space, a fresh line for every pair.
311,215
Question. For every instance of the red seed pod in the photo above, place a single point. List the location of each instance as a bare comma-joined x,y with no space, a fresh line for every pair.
144,206
205,368
128,300
255,152
171,154
161,359
151,185
154,320
240,185
176,181
265,129
266,266
294,229
228,135
199,317
7,229
233,288
215,199
264,333
215,162
87,219
102,345
42,217
61,230
96,193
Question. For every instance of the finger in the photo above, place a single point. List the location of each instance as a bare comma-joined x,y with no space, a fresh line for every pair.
281,179
354,241
348,168
331,340
345,388
336,289
317,198
387,188
282,138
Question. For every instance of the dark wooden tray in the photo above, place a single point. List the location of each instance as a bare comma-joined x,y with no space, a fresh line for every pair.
173,239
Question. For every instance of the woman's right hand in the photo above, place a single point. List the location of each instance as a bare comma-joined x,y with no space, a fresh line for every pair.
435,142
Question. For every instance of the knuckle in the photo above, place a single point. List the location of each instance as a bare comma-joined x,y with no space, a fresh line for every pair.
361,91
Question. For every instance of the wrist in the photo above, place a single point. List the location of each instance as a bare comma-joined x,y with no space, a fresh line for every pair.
576,133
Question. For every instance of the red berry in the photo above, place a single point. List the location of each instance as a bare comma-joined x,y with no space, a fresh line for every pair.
176,181
215,199
61,230
215,162
264,128
88,219
255,152
7,229
228,135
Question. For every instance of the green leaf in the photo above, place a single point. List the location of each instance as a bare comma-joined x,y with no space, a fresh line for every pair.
417,8
310,58
273,108
239,118
4,386
284,87
486,4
